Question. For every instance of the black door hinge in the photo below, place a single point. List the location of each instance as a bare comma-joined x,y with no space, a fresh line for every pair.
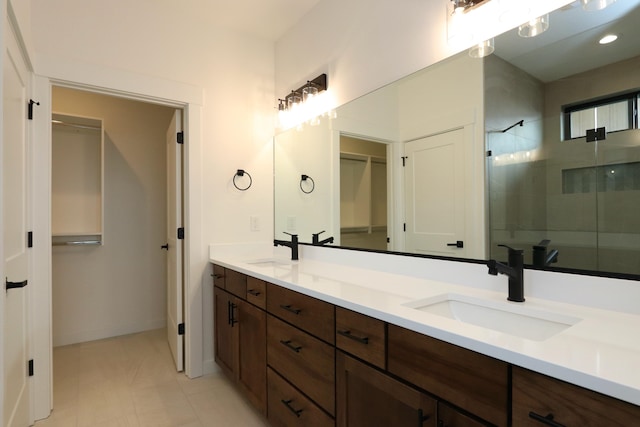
489,153
404,160
30,367
181,329
181,233
30,109
30,239
180,137
404,227
388,240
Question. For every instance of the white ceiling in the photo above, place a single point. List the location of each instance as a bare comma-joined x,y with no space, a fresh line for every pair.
570,45
268,19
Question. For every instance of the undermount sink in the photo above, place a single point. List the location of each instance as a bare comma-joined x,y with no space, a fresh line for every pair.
269,262
510,318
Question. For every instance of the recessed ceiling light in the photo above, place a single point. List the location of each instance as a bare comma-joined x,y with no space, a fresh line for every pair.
609,38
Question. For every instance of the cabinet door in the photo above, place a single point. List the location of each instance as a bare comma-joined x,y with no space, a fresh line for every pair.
252,353
225,331
368,397
469,380
539,400
450,417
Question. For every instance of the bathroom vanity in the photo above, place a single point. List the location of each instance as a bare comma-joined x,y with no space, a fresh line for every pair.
313,343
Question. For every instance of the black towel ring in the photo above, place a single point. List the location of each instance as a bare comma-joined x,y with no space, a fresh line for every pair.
242,172
305,178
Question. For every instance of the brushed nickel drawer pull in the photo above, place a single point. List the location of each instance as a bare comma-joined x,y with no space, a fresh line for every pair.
287,403
347,334
290,309
291,346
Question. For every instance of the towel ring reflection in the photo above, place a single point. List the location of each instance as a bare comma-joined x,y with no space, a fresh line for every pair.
305,178
242,172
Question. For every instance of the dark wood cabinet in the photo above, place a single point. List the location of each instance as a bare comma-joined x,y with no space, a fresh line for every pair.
448,416
362,336
368,397
257,292
475,382
240,345
307,313
288,407
225,331
538,399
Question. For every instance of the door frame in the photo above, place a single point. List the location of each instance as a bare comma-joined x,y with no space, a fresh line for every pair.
103,80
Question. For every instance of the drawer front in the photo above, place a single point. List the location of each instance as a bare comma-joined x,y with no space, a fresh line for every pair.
288,407
361,335
257,292
305,361
219,276
538,396
307,313
472,381
236,283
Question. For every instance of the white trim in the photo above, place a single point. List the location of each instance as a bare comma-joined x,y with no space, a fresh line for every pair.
136,87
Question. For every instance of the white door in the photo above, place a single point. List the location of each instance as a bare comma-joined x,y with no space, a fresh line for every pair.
14,230
435,194
175,245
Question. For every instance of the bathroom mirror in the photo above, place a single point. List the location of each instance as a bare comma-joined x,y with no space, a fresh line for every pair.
509,133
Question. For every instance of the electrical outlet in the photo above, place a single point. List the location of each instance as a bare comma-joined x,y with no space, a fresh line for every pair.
255,223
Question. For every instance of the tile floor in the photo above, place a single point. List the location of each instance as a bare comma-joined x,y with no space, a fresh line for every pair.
130,381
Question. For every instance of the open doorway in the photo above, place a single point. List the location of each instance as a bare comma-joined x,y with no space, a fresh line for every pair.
118,286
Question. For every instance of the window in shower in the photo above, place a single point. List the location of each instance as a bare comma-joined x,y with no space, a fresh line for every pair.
614,113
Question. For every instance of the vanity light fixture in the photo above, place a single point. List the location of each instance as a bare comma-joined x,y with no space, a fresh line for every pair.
593,5
302,104
534,27
483,49
461,6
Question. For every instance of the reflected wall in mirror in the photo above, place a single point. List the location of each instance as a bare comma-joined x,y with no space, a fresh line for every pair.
542,188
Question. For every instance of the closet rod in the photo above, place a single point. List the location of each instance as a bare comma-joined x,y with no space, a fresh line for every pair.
77,243
74,125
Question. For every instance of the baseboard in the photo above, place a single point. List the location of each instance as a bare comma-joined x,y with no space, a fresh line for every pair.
107,332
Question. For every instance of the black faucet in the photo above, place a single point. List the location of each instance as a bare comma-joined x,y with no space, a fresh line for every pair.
542,258
514,270
293,244
315,239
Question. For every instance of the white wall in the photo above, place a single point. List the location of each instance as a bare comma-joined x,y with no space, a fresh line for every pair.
119,287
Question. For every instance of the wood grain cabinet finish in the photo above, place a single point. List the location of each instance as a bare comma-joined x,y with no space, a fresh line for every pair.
289,408
218,276
368,397
257,292
539,400
362,336
240,345
225,332
306,362
252,354
448,416
307,313
469,380
236,283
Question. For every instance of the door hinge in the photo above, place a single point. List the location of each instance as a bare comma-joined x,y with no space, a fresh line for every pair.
30,239
489,153
30,112
404,160
30,367
181,329
404,227
180,137
181,233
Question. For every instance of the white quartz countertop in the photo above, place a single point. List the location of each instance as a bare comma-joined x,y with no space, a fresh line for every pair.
600,352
